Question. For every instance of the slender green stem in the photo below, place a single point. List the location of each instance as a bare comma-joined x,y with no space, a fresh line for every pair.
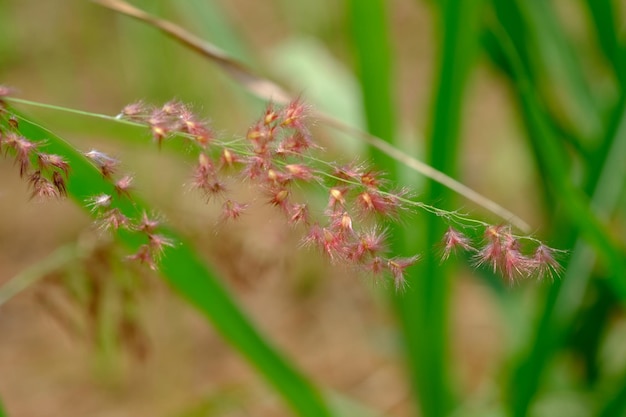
71,111
34,273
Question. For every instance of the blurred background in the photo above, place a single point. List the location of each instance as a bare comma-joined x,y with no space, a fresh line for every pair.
58,358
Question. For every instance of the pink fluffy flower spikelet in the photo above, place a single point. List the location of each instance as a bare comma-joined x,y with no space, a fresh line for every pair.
277,157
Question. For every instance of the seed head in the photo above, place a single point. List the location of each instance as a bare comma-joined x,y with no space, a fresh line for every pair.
345,223
545,263
42,188
189,123
147,225
158,243
299,172
314,236
145,256
491,254
514,263
337,198
257,166
397,267
374,202
377,266
276,178
371,179
135,111
502,253
124,185
99,202
295,144
298,213
48,162
174,108
59,183
206,179
23,149
113,219
328,242
105,163
232,210
341,224
369,243
279,198
332,244
270,114
228,159
160,132
350,172
260,135
454,240
294,116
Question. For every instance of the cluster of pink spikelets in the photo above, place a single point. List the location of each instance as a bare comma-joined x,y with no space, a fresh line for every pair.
46,173
111,218
277,156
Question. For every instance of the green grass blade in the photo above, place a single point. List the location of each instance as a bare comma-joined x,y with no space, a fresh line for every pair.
615,405
525,381
423,308
563,73
370,31
603,16
194,281
574,202
605,190
552,156
509,15
521,21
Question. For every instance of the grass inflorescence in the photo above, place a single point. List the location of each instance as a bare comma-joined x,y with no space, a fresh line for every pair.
279,155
